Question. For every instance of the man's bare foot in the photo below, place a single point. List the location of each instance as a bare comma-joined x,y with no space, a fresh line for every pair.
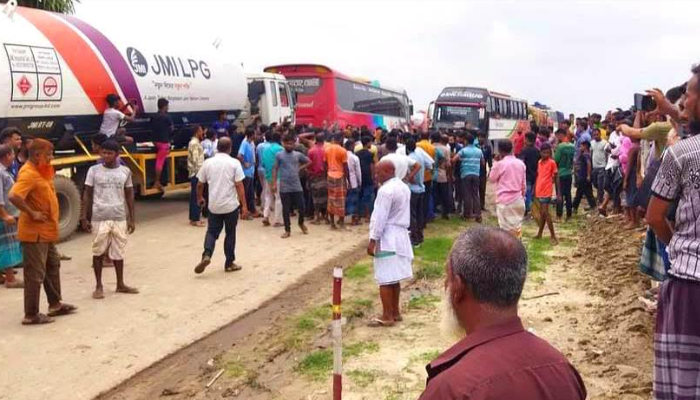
553,241
286,235
127,289
266,222
98,294
304,229
14,284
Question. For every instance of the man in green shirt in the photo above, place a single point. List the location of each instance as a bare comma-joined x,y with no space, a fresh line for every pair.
564,157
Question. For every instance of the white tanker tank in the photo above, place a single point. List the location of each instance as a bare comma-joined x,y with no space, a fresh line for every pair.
56,71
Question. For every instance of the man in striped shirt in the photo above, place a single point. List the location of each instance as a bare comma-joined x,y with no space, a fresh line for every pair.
677,334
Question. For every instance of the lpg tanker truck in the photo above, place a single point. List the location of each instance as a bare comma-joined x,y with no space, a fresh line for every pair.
57,70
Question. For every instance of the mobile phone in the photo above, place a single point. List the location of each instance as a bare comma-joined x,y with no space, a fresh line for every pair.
644,102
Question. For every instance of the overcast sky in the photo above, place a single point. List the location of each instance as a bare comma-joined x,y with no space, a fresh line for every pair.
572,55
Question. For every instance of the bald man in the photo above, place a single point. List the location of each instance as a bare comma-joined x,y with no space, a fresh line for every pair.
389,241
34,195
496,357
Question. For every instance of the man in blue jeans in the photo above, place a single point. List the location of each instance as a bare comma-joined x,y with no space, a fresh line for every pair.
246,155
223,173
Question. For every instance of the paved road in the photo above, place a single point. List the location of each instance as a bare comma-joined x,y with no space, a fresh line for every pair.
82,355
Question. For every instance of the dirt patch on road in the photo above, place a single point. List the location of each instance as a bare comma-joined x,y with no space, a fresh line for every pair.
581,296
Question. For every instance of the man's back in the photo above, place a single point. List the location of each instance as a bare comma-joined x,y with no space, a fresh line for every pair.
530,156
222,172
503,362
470,158
564,157
336,156
316,155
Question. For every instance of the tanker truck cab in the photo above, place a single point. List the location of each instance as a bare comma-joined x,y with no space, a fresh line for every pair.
270,98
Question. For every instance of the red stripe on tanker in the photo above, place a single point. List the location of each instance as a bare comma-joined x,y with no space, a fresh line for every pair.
58,66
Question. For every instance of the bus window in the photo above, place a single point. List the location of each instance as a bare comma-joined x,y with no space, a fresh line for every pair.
273,93
359,97
284,99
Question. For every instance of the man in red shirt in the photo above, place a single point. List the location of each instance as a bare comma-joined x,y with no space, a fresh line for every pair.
336,163
498,359
518,142
318,185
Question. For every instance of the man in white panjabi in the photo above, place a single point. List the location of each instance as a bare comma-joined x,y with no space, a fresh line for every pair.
389,242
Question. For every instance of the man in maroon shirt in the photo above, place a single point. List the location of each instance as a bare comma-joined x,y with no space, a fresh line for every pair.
498,359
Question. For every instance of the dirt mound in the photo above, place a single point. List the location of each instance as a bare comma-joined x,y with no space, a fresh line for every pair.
618,339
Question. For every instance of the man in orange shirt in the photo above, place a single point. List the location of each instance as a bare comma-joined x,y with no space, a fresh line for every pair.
547,178
428,201
34,195
336,161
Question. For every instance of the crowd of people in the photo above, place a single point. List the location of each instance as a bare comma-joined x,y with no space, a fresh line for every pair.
639,164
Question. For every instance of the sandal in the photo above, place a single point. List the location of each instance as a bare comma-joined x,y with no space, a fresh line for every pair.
377,322
127,290
38,319
98,294
65,309
232,267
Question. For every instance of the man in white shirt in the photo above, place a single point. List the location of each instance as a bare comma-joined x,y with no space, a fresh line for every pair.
112,117
402,163
223,173
389,241
613,175
353,195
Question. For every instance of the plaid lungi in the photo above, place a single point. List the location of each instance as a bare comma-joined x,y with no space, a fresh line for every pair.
336,196
654,260
318,185
10,248
510,216
677,341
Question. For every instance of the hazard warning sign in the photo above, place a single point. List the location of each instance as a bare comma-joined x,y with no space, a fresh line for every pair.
36,73
24,85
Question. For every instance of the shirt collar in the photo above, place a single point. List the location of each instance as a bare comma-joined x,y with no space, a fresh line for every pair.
460,349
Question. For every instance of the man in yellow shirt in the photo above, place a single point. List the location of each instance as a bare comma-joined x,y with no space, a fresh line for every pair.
34,195
428,147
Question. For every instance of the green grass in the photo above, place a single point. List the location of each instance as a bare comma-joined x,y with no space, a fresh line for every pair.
234,369
430,257
536,254
425,357
434,249
363,377
423,301
318,364
357,308
358,271
302,326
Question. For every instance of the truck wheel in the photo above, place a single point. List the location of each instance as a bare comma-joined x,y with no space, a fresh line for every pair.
69,203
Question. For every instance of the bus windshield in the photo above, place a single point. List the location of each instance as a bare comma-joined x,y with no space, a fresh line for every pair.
457,116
